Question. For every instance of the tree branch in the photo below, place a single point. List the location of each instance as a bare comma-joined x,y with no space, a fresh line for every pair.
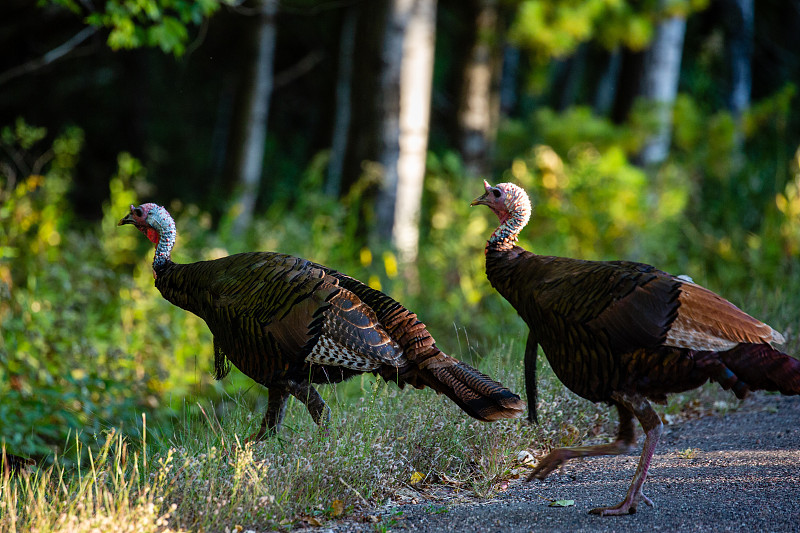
300,68
51,56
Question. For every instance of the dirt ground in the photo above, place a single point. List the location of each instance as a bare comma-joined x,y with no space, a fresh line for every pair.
737,472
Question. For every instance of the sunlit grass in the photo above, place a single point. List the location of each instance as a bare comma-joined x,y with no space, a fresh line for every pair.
384,446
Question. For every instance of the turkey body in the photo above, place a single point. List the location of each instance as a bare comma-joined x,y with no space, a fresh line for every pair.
626,326
624,333
288,323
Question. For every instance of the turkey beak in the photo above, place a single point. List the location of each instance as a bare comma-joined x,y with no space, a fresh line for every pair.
480,200
127,220
484,198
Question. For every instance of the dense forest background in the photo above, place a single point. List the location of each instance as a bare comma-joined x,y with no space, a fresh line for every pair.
355,133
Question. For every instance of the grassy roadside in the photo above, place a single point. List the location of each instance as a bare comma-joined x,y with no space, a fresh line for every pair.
205,478
381,441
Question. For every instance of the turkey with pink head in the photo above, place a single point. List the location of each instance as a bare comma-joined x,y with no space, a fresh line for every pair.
624,333
288,323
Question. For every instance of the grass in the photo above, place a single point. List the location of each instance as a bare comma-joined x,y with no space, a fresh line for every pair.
380,440
382,444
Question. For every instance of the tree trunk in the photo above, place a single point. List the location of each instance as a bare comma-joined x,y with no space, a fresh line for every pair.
476,111
660,85
509,80
248,140
344,90
630,75
739,41
568,78
367,100
607,84
740,49
406,88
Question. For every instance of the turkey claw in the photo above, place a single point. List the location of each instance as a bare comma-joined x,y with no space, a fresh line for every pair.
614,511
627,506
553,460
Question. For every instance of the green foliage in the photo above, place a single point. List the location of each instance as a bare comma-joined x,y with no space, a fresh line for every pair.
590,200
78,352
138,23
554,29
720,209
736,184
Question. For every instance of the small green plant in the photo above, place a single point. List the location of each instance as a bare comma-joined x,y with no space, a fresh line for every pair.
688,453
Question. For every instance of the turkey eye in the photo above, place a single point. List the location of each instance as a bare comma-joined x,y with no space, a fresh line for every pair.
138,212
496,193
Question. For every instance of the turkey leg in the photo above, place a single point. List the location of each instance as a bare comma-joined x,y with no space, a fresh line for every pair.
624,442
276,409
319,411
651,423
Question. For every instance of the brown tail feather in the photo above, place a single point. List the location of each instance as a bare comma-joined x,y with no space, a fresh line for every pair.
475,393
762,367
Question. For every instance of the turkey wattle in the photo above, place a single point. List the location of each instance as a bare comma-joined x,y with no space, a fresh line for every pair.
288,323
624,333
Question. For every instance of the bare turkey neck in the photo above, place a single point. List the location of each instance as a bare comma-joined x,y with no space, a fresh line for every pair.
166,241
507,233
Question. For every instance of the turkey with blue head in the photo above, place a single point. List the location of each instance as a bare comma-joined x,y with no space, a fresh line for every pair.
624,333
288,324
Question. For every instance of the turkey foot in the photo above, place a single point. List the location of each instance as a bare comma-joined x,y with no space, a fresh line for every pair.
624,442
317,408
627,506
560,456
651,423
273,418
276,408
627,405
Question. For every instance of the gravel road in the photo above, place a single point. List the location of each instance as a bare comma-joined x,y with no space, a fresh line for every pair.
738,472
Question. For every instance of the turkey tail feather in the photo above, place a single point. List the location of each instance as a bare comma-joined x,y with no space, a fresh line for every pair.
762,367
477,394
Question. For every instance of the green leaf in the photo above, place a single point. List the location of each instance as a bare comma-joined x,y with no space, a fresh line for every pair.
562,503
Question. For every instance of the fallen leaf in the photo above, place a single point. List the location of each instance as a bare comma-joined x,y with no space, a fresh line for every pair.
562,503
416,477
337,508
311,521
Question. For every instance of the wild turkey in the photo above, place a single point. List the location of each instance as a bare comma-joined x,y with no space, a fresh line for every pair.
288,323
624,333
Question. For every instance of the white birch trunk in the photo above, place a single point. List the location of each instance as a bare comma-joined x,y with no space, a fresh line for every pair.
260,92
660,84
411,31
